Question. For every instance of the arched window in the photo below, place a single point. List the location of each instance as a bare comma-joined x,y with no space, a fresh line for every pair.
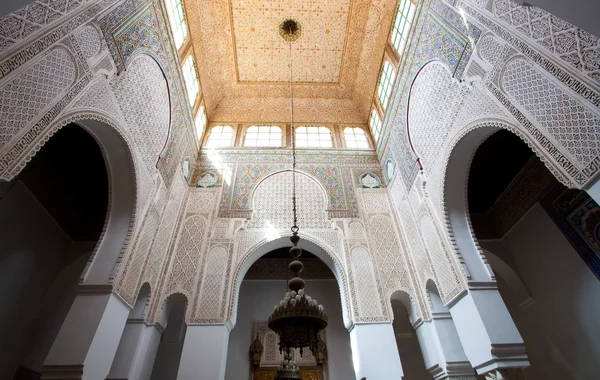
191,79
375,124
177,21
200,123
390,169
313,137
356,138
386,81
220,136
404,18
263,135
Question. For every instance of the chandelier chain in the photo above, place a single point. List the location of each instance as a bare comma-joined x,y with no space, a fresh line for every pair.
295,226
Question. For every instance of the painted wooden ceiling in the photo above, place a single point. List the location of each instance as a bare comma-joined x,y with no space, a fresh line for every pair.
243,63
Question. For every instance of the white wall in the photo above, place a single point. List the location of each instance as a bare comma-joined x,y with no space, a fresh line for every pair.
560,327
256,301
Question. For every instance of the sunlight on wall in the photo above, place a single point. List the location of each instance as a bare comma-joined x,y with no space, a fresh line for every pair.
354,347
215,158
271,232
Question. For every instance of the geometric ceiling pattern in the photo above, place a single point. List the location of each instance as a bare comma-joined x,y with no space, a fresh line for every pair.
263,56
243,64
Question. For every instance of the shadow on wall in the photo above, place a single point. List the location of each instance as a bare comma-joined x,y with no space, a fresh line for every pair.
53,215
549,290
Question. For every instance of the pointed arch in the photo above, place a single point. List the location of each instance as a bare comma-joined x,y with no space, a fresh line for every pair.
307,242
458,158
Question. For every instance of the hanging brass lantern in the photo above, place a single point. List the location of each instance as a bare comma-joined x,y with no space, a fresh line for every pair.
298,318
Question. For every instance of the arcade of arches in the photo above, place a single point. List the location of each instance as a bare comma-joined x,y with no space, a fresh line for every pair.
447,187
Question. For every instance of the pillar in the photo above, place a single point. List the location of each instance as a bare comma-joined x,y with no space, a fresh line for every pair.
88,338
487,332
204,353
137,351
593,191
442,351
374,352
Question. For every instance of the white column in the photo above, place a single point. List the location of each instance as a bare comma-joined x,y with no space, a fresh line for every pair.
374,352
143,363
204,353
442,352
88,338
137,350
487,332
594,191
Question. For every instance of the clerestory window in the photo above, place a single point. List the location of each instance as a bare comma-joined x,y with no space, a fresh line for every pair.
190,77
200,123
177,20
313,137
402,24
263,135
386,81
375,124
220,136
356,138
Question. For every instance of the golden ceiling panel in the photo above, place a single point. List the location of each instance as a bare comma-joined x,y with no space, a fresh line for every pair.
236,90
263,56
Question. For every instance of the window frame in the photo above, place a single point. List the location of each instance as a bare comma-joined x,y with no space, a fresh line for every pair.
402,25
387,82
270,132
390,169
319,133
179,27
201,112
376,132
210,132
185,72
365,134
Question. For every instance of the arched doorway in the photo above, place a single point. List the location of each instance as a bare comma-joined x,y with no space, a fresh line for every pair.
533,230
53,214
264,284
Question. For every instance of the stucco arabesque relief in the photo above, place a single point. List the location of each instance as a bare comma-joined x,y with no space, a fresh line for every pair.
571,163
321,97
83,86
192,226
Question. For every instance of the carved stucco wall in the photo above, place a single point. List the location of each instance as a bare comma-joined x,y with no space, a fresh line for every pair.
57,67
370,255
566,56
62,69
531,73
